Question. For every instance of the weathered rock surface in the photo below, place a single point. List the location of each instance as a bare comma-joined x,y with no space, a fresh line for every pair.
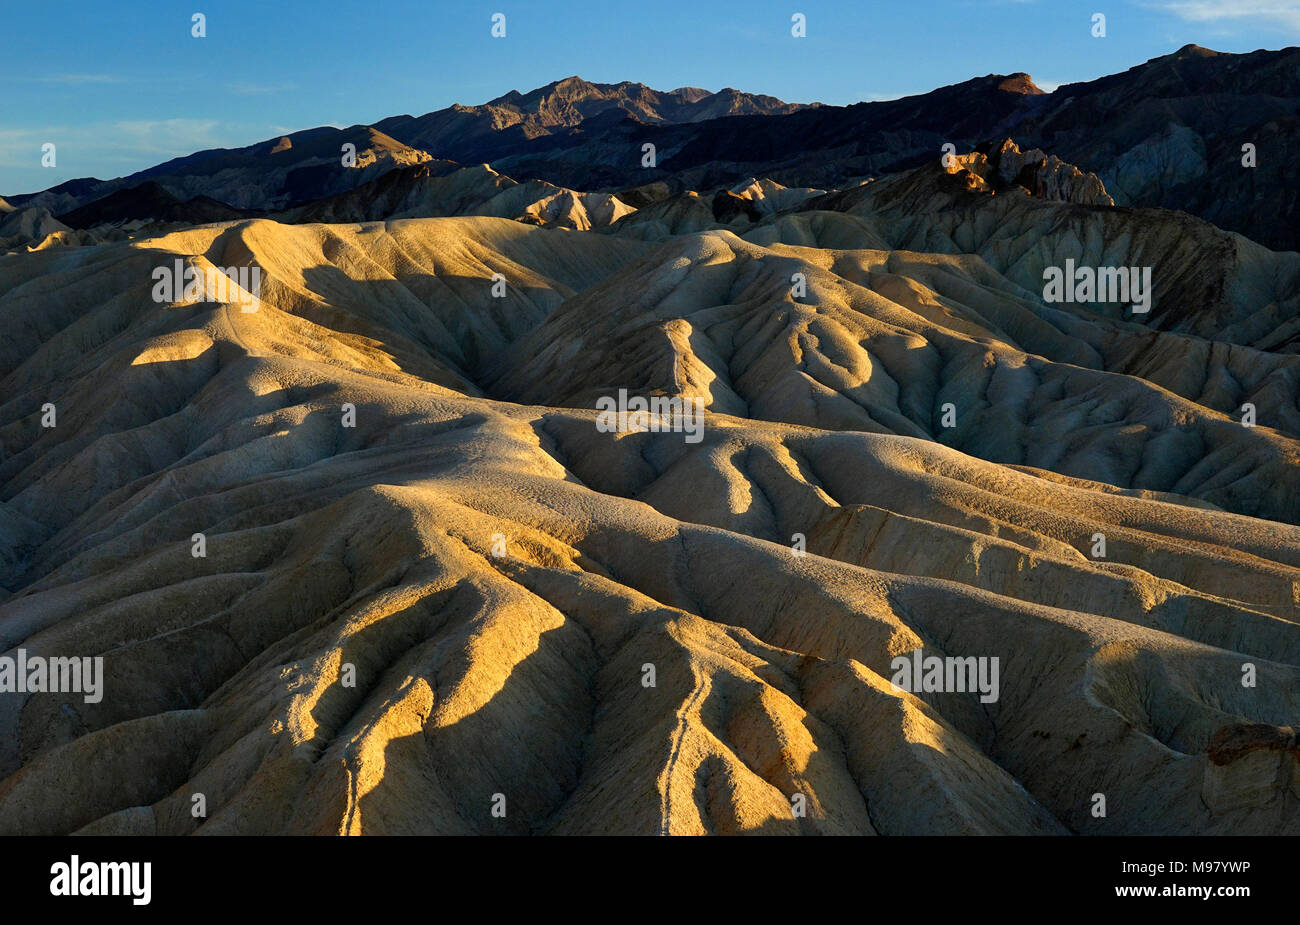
612,632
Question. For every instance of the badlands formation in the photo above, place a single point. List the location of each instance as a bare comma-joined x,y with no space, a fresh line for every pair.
359,557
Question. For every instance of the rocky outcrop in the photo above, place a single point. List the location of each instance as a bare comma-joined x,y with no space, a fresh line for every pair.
423,192
28,227
1043,175
1252,767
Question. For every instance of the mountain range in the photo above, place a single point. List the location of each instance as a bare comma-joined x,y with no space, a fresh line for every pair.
1165,134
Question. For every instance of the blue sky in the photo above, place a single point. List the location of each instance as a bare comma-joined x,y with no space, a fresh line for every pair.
119,86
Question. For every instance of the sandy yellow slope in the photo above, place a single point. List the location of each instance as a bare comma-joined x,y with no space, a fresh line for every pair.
503,580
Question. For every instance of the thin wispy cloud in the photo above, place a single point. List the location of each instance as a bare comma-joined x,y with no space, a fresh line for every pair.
138,143
167,136
1285,13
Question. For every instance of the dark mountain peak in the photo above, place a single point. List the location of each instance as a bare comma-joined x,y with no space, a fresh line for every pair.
1188,54
150,201
81,186
573,96
568,89
1018,83
690,94
573,83
1021,83
1197,71
1195,51
566,109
